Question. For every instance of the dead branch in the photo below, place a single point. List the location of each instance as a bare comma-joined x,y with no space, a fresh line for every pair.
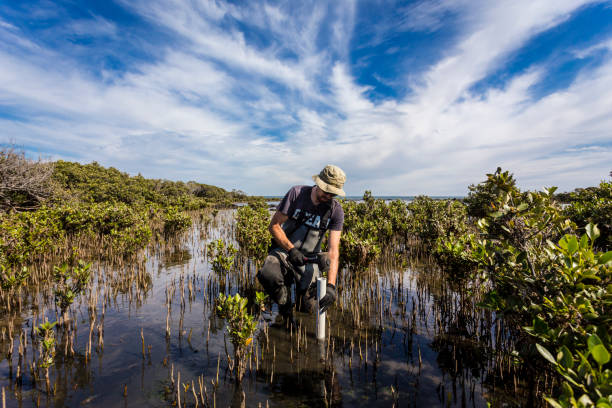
24,183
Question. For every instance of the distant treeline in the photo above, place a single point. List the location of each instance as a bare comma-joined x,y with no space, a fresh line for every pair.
56,209
94,183
26,185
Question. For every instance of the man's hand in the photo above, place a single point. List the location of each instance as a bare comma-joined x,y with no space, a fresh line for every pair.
296,257
328,299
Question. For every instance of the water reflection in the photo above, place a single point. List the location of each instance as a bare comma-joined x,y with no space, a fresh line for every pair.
146,334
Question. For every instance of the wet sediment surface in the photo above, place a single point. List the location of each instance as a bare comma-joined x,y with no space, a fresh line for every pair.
146,334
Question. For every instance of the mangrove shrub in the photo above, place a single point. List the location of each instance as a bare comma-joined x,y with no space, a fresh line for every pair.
252,230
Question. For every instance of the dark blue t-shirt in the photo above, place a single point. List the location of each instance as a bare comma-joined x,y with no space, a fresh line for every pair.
298,201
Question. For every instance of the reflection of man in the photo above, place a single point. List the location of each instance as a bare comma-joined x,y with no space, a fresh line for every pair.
298,228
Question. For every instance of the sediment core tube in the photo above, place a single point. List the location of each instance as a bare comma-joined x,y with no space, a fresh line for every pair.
320,317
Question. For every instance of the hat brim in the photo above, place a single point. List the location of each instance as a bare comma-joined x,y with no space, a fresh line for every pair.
328,188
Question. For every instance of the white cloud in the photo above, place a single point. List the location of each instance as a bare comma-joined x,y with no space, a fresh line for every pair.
95,27
6,25
209,40
222,108
427,15
497,31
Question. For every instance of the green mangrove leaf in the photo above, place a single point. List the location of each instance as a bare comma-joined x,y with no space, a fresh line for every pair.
546,354
593,341
572,244
584,368
584,242
591,275
563,242
603,403
568,391
592,231
606,389
600,354
553,402
539,325
605,258
569,378
564,357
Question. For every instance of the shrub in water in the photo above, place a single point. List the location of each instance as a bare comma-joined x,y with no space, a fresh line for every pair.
558,293
252,230
369,227
69,283
222,256
241,327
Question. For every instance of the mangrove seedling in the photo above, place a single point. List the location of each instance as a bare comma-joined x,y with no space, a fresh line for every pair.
47,347
47,335
222,256
241,327
69,285
260,300
10,280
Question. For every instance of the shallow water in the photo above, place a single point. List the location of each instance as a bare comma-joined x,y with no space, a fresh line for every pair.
398,336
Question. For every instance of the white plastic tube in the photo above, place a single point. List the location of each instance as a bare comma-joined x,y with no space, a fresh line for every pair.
320,317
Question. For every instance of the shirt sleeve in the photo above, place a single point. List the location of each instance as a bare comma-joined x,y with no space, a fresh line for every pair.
285,204
336,220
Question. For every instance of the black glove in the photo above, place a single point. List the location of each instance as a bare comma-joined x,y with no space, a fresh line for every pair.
328,299
296,257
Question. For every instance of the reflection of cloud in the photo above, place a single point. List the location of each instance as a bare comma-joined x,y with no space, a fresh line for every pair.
259,97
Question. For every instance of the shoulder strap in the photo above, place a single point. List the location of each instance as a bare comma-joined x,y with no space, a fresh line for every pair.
326,217
301,219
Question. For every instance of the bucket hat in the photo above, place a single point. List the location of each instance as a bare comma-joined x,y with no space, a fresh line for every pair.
331,180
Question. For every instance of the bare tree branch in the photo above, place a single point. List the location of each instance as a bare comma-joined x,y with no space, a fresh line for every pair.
24,183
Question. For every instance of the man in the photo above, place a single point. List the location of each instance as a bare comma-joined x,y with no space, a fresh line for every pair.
298,227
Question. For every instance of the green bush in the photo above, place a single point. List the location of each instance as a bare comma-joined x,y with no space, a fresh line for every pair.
369,227
126,228
26,236
103,205
95,183
559,294
454,255
578,321
482,197
252,230
593,205
175,220
431,219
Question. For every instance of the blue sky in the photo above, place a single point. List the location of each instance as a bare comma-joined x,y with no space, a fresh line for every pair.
420,97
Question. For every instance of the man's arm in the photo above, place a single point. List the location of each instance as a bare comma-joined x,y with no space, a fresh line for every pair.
334,256
277,231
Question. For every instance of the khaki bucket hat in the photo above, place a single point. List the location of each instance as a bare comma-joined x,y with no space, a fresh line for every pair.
331,180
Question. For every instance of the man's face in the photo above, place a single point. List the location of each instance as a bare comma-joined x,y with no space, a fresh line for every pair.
324,196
